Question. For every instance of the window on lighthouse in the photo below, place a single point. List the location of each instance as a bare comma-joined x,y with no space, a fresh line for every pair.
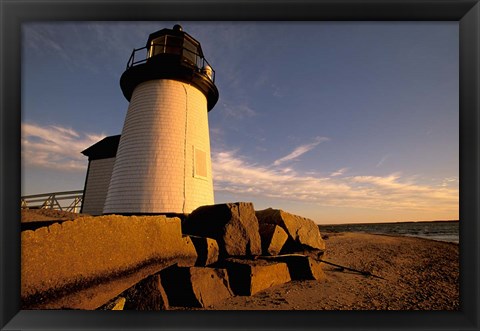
166,44
173,45
190,52
200,163
157,46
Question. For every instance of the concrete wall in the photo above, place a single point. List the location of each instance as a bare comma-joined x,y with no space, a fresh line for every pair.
96,258
96,187
154,168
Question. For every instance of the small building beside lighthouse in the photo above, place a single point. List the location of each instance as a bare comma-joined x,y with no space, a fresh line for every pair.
101,158
162,162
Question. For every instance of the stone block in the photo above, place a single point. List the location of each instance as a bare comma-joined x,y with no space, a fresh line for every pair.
116,304
303,233
273,238
83,264
207,250
147,294
195,286
248,277
302,267
119,304
190,250
233,225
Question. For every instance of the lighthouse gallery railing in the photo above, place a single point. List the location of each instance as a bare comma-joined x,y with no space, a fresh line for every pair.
200,62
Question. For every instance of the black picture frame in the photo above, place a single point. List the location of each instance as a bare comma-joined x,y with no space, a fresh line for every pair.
14,13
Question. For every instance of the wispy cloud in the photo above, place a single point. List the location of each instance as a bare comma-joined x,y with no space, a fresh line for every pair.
339,172
55,147
277,92
300,150
236,175
84,45
238,111
382,160
449,181
58,147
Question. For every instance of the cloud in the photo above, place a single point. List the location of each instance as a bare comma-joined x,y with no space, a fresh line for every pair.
217,131
236,175
83,45
382,160
277,92
300,150
238,111
338,172
39,41
55,147
449,181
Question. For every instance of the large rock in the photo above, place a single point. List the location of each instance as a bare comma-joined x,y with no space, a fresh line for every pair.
83,264
233,225
148,294
302,267
195,286
119,304
116,304
273,238
303,233
248,277
207,250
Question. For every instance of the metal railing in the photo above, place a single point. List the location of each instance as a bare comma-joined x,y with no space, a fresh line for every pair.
199,62
70,201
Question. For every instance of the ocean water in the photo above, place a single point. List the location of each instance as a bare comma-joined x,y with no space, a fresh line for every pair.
442,230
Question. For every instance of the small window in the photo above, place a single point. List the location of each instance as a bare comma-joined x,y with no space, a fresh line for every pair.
157,46
190,51
165,44
200,163
174,45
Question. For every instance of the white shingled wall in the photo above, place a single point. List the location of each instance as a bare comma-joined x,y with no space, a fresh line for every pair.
154,169
96,188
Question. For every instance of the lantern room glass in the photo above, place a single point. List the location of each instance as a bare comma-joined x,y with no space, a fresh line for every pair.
168,44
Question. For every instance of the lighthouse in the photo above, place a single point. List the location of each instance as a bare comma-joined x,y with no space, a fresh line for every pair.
162,164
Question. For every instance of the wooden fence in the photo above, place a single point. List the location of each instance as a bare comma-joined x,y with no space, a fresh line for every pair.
66,201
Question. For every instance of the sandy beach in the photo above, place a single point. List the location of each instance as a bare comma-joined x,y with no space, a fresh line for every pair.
419,274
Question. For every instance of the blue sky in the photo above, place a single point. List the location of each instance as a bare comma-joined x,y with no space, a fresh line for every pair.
336,121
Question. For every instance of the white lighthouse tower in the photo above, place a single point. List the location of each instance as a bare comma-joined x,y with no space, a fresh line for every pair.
163,160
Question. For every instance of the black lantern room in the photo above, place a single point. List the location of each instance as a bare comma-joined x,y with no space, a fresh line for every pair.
170,54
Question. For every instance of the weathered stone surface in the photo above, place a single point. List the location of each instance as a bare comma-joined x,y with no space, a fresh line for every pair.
302,267
195,286
189,250
207,250
233,225
115,304
148,294
84,263
273,238
119,304
248,277
303,233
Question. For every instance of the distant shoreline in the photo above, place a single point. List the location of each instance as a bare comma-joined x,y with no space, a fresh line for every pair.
446,231
399,222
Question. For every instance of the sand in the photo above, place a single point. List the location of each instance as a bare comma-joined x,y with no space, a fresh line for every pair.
419,274
39,215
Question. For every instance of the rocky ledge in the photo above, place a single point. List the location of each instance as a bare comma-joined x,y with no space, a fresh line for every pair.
155,262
